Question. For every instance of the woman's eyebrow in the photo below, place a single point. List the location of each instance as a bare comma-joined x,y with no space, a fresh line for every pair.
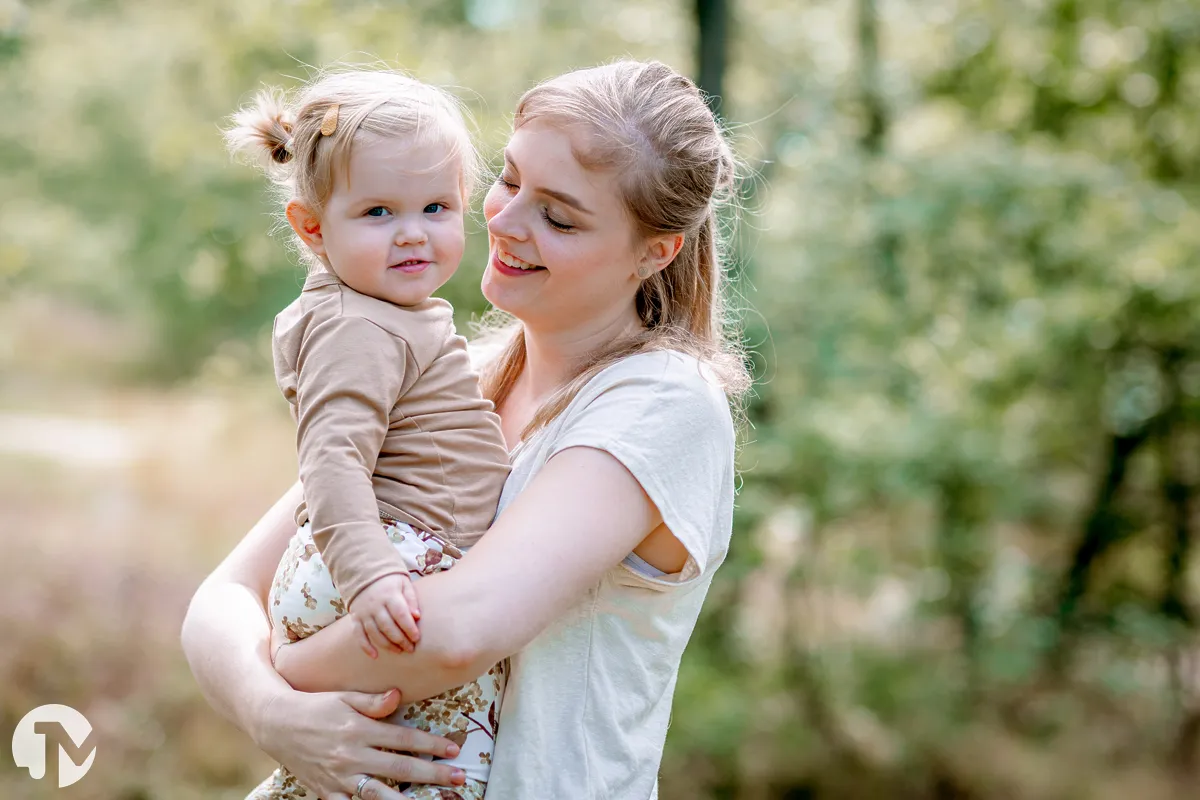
561,197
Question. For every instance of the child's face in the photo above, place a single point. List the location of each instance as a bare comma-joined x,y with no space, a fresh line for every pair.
393,226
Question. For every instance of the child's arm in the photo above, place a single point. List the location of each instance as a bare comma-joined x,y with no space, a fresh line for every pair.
349,374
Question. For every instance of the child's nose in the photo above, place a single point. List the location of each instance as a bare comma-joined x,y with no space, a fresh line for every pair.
410,233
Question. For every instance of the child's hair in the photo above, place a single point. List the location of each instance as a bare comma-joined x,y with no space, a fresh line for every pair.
284,133
650,126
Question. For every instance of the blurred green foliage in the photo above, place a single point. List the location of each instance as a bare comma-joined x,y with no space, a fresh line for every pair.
963,563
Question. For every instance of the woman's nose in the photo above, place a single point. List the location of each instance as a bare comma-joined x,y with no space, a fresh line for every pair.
507,222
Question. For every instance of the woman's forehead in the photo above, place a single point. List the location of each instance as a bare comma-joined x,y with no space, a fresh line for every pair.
548,154
544,145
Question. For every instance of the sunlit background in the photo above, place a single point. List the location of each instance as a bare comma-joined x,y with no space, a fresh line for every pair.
968,260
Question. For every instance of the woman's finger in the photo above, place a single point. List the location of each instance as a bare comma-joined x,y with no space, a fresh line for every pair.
376,705
375,789
388,628
408,740
410,769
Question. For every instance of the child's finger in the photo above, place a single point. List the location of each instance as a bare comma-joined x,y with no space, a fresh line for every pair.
365,643
402,617
377,637
410,595
397,641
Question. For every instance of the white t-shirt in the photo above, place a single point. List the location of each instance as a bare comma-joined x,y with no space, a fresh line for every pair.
588,701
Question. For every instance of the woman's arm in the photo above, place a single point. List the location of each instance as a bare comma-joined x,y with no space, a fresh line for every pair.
328,740
579,517
226,631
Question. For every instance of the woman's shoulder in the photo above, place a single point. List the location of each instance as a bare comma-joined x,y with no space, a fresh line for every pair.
662,371
657,388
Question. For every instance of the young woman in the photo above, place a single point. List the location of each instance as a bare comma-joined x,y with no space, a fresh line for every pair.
613,389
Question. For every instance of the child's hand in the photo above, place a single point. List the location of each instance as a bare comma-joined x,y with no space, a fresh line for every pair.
387,614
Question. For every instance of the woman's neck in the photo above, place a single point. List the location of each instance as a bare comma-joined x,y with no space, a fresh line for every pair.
552,357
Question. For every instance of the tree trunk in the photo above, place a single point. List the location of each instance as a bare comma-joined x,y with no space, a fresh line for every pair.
712,18
1177,494
870,94
962,555
1101,531
872,141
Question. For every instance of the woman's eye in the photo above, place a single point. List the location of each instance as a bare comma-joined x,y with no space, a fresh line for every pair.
377,211
434,208
562,226
503,181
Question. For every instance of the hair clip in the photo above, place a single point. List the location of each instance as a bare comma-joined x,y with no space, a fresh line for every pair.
330,120
290,145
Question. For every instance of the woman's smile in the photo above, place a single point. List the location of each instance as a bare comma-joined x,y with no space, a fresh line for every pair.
507,264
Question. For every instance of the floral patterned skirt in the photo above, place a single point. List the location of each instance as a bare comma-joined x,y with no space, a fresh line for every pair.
303,600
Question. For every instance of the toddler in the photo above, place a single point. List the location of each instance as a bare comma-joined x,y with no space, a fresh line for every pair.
401,458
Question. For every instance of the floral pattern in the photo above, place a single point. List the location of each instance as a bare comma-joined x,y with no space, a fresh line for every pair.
282,785
304,600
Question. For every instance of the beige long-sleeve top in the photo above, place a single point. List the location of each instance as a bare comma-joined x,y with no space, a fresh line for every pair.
390,418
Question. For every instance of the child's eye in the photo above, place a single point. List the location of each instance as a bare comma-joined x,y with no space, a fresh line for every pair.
434,208
507,184
377,211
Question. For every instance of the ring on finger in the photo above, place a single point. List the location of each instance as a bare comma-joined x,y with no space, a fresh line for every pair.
362,782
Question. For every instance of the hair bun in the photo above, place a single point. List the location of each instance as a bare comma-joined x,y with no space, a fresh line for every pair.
263,129
282,152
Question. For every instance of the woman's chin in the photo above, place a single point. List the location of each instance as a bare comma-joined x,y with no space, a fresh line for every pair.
495,294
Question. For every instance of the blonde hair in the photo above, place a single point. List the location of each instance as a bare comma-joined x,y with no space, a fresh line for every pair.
283,133
651,127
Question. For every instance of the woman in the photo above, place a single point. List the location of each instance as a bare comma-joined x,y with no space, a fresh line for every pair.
612,390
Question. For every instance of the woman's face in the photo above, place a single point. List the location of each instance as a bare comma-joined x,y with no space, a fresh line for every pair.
563,253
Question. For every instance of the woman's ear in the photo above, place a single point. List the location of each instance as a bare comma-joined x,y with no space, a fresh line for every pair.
661,251
306,225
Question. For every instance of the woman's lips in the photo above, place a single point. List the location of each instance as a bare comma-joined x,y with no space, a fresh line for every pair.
505,269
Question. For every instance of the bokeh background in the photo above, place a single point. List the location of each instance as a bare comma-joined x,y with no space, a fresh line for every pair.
963,564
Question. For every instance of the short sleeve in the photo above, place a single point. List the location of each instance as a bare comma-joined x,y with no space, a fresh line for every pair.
664,418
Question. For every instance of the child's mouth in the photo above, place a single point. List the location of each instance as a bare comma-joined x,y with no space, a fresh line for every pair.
411,266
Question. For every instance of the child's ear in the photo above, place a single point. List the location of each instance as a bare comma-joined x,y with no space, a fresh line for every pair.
306,225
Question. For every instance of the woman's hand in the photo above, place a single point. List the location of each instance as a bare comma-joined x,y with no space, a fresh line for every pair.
330,740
